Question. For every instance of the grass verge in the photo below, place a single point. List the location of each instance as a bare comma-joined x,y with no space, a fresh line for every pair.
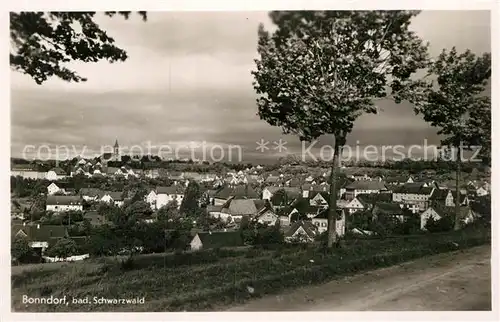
213,279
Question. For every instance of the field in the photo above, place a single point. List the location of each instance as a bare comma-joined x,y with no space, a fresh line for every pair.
214,279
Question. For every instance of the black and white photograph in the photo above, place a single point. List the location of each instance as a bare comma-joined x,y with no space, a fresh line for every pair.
320,160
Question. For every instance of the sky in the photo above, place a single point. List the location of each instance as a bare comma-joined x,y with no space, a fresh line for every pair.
188,79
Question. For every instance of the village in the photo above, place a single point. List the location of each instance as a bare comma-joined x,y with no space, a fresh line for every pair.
213,208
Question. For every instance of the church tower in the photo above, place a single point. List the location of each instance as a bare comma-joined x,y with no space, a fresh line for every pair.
116,151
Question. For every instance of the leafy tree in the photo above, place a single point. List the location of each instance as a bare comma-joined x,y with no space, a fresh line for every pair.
42,42
20,249
269,235
169,212
455,103
64,247
190,205
296,216
138,210
103,241
320,70
111,212
443,224
280,198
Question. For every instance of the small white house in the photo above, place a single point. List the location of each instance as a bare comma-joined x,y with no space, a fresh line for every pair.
354,205
321,222
165,195
114,197
466,214
481,191
53,188
302,232
64,203
151,198
55,174
267,217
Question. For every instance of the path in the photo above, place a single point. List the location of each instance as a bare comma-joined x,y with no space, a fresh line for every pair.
445,282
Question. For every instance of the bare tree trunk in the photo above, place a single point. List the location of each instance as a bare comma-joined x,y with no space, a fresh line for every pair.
332,205
457,188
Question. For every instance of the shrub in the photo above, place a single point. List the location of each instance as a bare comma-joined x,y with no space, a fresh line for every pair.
64,247
127,264
441,225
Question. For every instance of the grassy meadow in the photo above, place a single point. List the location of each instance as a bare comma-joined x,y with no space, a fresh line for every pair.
214,279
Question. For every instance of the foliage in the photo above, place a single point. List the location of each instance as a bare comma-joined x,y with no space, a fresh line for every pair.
111,213
360,219
64,247
482,206
255,233
209,280
20,249
443,224
454,101
169,212
138,210
280,198
42,42
190,205
320,69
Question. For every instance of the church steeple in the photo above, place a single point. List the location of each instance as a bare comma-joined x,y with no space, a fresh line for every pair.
116,143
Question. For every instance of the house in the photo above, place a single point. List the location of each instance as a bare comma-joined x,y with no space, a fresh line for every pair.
26,171
452,197
399,180
321,221
364,186
64,203
359,203
112,171
151,173
301,232
176,176
151,198
206,240
446,197
438,211
293,182
54,188
40,237
164,195
358,176
417,193
308,189
238,192
114,197
237,208
266,215
319,199
216,212
55,174
280,196
90,194
388,210
291,192
273,180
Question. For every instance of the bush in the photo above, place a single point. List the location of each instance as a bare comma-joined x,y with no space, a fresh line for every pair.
441,225
64,247
127,264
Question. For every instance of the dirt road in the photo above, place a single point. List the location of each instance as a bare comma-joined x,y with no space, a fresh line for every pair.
445,282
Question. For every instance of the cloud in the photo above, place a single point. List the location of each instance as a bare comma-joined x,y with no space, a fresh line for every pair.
188,79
